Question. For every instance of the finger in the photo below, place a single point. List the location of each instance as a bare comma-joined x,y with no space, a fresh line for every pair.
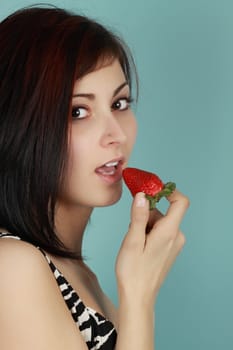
177,246
179,203
139,215
154,216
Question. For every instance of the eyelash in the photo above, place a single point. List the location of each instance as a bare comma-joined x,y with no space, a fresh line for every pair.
114,107
78,108
128,100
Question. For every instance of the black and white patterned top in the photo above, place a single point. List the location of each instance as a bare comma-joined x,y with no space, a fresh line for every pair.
98,332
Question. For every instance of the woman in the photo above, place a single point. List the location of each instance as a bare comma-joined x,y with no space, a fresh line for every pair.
67,131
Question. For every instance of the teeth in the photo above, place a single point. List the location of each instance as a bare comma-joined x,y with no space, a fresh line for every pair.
111,164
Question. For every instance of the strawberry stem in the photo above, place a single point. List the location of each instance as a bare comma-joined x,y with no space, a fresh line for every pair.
168,188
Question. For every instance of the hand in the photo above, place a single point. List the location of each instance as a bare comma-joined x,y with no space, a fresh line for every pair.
150,247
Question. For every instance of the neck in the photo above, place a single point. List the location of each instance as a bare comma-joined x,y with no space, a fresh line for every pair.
70,225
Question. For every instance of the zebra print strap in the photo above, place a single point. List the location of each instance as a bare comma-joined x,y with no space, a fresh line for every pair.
98,332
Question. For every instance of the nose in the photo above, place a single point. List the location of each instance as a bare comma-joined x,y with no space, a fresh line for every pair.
113,131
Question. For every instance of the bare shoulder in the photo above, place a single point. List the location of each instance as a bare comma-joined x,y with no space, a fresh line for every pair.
10,245
18,257
31,303
21,260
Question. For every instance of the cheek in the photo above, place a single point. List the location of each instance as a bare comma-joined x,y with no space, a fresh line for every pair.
79,152
131,131
78,147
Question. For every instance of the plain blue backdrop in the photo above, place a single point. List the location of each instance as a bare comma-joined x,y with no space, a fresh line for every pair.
184,54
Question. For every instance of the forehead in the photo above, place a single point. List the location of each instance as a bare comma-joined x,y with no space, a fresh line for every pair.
107,76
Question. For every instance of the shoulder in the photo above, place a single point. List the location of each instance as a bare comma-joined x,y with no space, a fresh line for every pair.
15,255
21,258
24,270
30,297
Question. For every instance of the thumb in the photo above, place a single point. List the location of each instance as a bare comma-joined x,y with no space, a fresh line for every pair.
139,215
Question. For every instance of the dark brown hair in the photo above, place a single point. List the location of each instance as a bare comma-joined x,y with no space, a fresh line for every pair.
43,51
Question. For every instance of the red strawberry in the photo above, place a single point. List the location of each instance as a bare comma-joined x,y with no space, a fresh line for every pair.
138,180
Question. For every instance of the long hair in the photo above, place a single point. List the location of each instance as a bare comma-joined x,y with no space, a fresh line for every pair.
43,51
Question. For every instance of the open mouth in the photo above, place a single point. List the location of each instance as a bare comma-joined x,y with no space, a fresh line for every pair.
110,168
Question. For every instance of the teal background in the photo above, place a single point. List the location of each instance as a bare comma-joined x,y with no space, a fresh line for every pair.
184,54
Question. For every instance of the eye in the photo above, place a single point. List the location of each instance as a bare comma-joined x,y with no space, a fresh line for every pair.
79,112
122,104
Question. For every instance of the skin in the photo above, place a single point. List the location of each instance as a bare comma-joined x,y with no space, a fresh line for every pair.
148,251
98,135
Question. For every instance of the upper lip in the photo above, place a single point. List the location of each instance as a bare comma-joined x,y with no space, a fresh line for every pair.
119,160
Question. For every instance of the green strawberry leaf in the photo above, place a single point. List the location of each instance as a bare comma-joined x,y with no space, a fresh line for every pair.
166,191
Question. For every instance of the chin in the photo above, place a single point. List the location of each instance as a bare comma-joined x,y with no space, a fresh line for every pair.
113,199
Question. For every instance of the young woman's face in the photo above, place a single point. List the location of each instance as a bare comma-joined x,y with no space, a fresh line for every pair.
101,138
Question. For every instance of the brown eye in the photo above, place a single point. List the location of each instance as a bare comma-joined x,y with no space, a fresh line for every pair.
79,112
122,104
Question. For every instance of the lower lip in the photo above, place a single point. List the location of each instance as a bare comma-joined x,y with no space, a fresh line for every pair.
112,179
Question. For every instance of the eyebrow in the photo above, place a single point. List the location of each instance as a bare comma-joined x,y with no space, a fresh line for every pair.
92,96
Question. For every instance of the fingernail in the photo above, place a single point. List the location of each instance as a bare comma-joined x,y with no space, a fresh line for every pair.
140,200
